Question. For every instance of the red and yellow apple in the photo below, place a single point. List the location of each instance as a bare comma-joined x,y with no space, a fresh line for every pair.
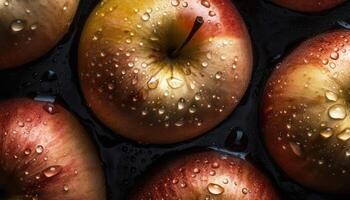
205,175
163,71
45,154
306,113
309,5
29,29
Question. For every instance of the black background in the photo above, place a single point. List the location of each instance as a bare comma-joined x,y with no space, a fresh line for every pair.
274,30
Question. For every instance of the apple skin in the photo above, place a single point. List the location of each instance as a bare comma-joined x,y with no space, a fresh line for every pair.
205,175
309,5
305,112
41,25
126,73
36,136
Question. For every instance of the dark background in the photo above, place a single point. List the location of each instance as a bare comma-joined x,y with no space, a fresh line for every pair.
275,31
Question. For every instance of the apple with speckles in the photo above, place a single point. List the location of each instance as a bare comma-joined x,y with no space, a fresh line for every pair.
205,175
305,114
309,6
45,154
29,29
164,71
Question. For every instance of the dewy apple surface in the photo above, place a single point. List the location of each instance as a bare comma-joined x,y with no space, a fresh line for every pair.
161,72
29,29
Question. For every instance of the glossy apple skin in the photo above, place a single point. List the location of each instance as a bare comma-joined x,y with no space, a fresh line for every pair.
205,175
142,101
35,136
305,111
42,24
309,5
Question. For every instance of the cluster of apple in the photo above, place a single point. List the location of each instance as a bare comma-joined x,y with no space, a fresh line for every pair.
165,71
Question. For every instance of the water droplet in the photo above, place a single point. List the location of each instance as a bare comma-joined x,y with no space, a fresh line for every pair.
334,55
49,76
17,25
20,124
205,3
215,189
27,152
130,64
183,185
337,112
145,17
237,140
245,191
175,181
175,83
39,149
344,135
161,110
197,96
65,7
175,3
134,81
65,188
218,75
50,108
212,173
154,38
33,27
181,104
128,41
296,149
215,165
331,96
347,153
196,170
204,64
153,83
332,65
212,13
192,109
52,171
180,122
327,133
325,61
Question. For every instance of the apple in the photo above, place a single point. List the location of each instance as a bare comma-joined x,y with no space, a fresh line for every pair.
309,5
305,113
164,71
205,175
29,29
46,154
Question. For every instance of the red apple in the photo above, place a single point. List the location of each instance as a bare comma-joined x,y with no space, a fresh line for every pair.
163,71
29,29
306,116
46,154
309,5
206,175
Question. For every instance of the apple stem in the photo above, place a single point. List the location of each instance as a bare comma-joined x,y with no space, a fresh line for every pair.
196,26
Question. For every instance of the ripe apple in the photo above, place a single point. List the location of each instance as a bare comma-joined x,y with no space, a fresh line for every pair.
306,116
205,175
163,71
46,154
309,5
29,29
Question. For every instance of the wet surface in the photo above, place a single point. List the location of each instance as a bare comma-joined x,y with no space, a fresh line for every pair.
275,32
